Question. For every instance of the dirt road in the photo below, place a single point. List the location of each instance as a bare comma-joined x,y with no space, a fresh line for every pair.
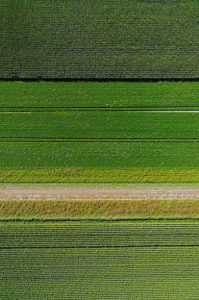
137,193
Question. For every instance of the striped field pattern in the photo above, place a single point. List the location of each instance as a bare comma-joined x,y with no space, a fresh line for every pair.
99,132
99,260
87,99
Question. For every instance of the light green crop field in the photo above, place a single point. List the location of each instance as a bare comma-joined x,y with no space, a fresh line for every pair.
99,260
99,132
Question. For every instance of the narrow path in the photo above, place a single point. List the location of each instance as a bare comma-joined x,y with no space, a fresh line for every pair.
137,193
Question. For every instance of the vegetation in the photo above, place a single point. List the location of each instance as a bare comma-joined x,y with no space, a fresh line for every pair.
96,133
99,260
61,96
99,209
70,39
86,132
100,125
101,175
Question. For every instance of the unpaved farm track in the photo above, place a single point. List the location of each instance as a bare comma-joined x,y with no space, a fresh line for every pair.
136,193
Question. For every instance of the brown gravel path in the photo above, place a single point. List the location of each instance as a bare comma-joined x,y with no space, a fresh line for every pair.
136,193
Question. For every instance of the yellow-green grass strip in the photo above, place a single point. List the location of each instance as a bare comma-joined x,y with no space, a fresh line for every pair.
99,175
99,209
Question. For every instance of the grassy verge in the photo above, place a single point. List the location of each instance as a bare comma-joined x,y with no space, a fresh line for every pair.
100,175
99,209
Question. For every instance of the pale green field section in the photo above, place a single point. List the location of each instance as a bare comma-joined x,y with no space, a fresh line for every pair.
99,260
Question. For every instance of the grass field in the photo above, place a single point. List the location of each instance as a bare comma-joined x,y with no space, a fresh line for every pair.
99,260
99,125
34,96
96,39
99,132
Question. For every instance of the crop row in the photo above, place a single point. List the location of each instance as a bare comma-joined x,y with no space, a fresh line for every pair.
128,39
99,260
100,273
58,95
85,234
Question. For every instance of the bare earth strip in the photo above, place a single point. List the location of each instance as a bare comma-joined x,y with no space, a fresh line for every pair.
136,193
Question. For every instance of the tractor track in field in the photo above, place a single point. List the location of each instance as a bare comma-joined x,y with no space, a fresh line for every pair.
104,193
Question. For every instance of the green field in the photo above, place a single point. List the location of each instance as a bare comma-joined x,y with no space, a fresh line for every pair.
99,132
99,260
143,154
99,39
99,125
42,96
